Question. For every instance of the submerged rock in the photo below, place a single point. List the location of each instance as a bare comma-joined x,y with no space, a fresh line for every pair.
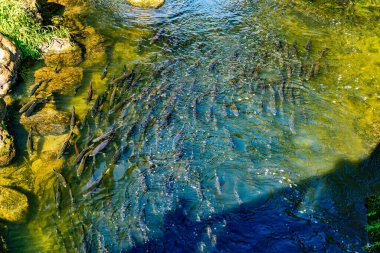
9,62
63,81
48,121
61,51
7,148
94,45
147,3
13,205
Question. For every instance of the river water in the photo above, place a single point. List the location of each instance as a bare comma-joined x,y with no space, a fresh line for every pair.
229,142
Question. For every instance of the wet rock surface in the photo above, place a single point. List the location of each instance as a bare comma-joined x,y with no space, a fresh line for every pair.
13,205
9,62
63,81
47,121
147,3
7,148
62,52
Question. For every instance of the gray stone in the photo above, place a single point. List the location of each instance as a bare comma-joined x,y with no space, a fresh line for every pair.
9,62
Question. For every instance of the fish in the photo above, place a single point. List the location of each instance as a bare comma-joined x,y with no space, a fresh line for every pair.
72,120
95,107
308,46
210,52
61,179
117,155
100,147
79,157
113,95
64,146
157,36
58,196
76,148
31,108
82,164
213,65
310,73
234,109
177,138
104,74
89,94
96,182
29,143
58,67
35,87
26,106
76,88
109,134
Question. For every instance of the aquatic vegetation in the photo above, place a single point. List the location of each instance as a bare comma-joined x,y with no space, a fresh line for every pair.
20,25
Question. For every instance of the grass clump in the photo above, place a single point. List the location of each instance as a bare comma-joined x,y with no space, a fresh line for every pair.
19,24
373,213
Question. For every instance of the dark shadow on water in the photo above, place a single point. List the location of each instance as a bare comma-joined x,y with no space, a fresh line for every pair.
322,214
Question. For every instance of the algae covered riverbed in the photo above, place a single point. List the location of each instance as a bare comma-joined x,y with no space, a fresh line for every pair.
225,126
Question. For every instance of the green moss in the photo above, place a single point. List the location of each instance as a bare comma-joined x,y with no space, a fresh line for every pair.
20,26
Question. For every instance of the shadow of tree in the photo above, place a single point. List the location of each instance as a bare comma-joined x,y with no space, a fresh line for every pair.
322,214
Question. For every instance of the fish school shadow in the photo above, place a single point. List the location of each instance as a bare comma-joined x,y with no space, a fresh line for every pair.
322,214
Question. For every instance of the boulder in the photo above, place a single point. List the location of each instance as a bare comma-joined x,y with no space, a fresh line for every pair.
47,121
147,3
7,148
13,205
63,81
9,62
63,52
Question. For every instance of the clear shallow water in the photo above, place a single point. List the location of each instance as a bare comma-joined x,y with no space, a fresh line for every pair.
227,146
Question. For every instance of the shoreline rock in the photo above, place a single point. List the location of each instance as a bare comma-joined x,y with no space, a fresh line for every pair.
10,57
7,148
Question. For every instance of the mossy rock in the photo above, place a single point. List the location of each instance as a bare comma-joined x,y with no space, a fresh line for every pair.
63,82
62,52
147,3
13,205
48,121
7,148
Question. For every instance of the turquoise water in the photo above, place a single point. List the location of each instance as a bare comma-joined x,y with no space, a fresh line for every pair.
229,143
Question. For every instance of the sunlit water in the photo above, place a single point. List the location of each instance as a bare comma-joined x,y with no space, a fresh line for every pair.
228,144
